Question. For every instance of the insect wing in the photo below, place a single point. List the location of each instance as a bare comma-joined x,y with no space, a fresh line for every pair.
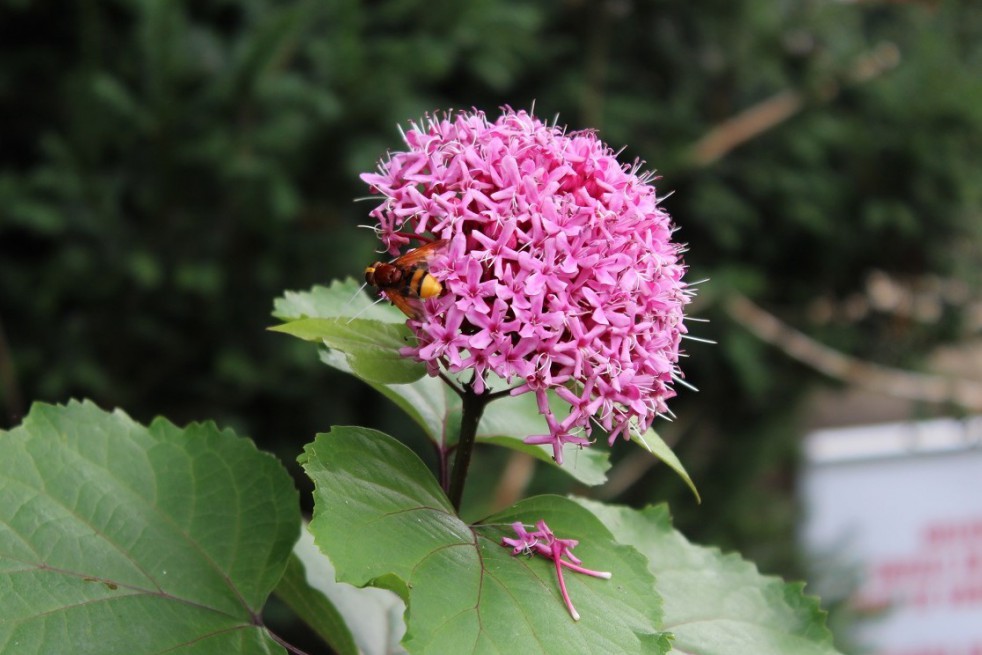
419,256
408,306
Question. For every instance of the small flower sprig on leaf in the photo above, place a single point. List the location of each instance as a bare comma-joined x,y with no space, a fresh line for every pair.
543,542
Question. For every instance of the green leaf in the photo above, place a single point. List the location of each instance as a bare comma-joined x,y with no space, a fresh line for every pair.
342,298
350,620
314,607
654,444
383,520
370,352
120,538
428,401
508,421
371,347
718,604
344,319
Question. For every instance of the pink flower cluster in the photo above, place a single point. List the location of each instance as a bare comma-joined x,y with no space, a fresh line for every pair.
543,542
560,271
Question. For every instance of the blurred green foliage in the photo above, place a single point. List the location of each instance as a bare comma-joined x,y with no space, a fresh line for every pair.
168,167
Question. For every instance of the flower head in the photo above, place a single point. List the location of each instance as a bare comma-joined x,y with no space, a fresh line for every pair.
560,272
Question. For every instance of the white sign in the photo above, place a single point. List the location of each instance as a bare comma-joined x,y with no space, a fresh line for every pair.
901,506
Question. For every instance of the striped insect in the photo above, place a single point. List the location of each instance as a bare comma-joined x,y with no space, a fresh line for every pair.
406,280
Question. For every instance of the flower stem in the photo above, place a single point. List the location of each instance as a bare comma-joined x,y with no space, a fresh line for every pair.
443,460
473,407
562,585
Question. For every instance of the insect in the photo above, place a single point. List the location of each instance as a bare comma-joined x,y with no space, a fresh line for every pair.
406,279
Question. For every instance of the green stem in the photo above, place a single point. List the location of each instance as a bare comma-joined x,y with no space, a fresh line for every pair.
473,407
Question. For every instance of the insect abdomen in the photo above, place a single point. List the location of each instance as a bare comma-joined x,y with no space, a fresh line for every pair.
430,287
424,285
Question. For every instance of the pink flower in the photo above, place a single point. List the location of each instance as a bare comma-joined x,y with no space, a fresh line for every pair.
544,542
560,271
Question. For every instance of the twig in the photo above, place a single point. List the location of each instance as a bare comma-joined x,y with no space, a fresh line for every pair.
629,471
881,379
597,49
625,474
8,380
501,393
293,650
514,480
452,384
765,115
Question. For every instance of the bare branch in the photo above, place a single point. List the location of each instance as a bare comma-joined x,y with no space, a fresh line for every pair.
765,115
8,381
514,481
899,383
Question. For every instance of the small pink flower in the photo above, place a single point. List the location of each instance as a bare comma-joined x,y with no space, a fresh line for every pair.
543,542
560,271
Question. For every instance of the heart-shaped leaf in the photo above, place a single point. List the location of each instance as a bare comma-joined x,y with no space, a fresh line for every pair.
351,620
383,520
718,604
120,538
343,298
370,347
